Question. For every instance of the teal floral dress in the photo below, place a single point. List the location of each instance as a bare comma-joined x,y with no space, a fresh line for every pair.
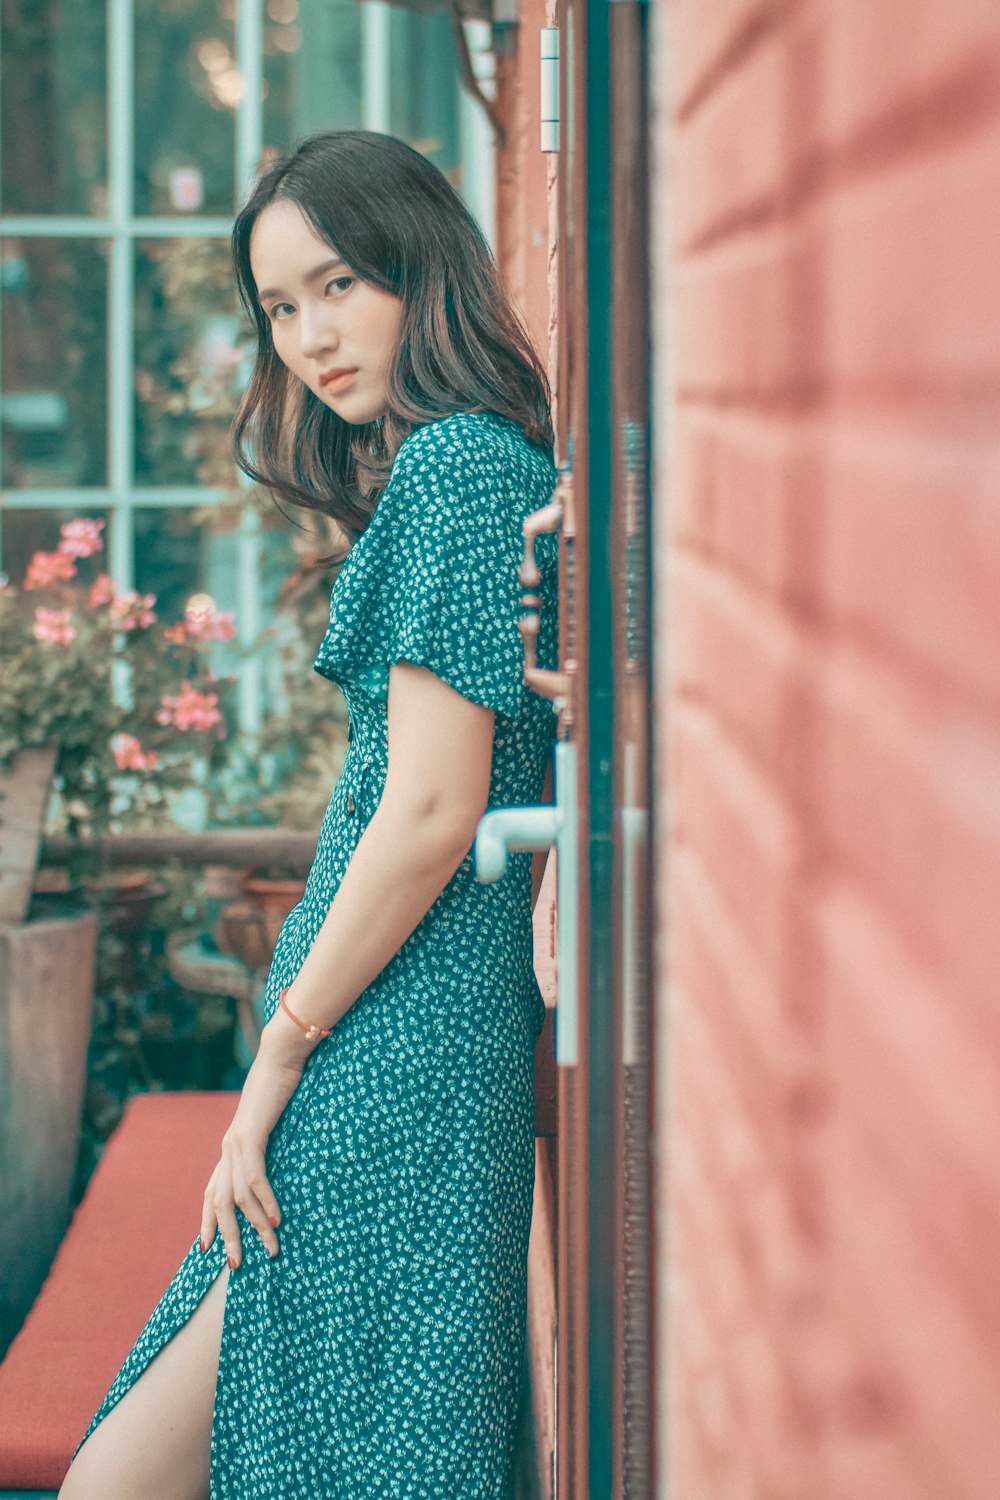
378,1356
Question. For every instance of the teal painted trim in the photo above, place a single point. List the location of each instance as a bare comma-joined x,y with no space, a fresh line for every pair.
80,227
602,1047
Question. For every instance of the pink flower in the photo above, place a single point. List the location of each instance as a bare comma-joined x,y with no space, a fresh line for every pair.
47,568
132,611
102,591
81,538
130,756
202,622
53,625
189,709
209,625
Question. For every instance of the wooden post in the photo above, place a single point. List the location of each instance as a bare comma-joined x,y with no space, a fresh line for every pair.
46,1016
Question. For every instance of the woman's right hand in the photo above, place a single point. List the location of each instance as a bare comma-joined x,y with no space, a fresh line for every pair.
240,1177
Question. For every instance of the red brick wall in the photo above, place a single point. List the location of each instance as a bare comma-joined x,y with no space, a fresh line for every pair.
827,493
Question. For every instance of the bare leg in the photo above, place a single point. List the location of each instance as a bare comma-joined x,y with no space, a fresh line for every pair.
155,1442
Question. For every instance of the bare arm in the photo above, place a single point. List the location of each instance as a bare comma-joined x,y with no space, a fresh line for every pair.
436,790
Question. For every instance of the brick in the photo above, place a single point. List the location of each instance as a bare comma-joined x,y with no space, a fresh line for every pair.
907,806
709,42
881,60
749,321
748,491
912,556
728,636
921,1369
911,296
741,829
724,174
921,1089
770,1055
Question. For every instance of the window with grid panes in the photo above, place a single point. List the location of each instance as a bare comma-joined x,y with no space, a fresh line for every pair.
129,133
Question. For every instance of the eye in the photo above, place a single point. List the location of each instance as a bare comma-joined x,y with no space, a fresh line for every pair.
274,309
338,279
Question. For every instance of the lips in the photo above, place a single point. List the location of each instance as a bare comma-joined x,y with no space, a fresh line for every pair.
337,378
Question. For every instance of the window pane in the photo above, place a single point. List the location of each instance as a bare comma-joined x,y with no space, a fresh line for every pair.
175,557
24,532
316,86
188,377
53,83
424,91
54,354
313,68
187,88
181,550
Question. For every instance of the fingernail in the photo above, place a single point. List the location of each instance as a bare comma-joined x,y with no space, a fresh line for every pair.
232,1263
274,1252
274,1220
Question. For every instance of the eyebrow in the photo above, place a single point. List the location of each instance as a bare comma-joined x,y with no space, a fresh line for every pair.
328,265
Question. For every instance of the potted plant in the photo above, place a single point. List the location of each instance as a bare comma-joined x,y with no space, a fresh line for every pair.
131,704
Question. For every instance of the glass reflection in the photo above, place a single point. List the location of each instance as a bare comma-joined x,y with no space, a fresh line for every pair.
187,89
53,106
54,360
190,353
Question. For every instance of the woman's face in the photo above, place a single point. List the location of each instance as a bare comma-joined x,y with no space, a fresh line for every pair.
323,317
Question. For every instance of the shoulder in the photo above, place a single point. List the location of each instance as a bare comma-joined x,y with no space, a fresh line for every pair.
472,453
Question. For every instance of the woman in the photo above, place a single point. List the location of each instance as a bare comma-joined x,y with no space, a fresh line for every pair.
351,1323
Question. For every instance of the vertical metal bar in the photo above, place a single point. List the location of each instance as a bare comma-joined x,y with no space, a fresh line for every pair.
249,145
250,111
248,554
567,869
601,1288
478,152
1,298
121,331
375,65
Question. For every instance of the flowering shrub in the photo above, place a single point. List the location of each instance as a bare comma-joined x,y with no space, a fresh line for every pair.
133,704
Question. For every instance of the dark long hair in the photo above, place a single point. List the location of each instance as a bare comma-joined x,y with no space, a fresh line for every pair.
399,224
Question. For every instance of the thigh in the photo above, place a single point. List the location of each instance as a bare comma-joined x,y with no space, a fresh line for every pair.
156,1440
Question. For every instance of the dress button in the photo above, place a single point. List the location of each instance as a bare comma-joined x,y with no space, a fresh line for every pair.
350,802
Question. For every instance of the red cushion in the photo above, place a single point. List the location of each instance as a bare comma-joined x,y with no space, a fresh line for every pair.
138,1217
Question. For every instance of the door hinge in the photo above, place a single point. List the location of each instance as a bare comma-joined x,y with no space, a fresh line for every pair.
549,81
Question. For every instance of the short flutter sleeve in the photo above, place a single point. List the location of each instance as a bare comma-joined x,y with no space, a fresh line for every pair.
434,577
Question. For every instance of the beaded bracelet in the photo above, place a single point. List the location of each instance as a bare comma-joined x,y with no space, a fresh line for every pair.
312,1031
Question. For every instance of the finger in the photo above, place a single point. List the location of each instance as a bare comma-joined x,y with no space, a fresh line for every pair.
208,1219
255,1166
251,1206
225,1212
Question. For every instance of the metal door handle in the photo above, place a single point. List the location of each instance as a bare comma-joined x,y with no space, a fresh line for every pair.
503,829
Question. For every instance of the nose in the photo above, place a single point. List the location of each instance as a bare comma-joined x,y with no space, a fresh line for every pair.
317,331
